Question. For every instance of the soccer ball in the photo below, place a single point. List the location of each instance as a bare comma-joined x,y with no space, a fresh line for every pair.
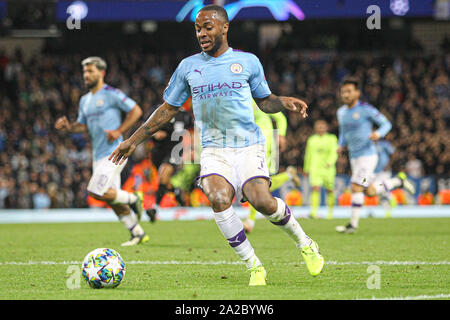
103,268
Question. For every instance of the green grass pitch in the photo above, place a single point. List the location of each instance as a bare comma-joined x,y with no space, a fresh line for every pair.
191,260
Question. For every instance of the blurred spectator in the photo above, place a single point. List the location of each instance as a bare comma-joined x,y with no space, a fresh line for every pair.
4,190
414,167
41,199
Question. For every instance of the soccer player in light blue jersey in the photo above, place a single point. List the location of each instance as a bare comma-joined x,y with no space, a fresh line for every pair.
99,114
222,82
356,120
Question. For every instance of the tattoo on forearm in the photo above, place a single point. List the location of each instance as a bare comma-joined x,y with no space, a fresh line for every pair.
156,121
272,104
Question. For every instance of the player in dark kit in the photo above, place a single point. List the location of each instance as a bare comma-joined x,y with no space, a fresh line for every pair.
166,158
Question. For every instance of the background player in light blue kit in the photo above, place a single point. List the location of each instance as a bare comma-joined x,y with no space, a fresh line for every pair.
100,115
222,82
356,120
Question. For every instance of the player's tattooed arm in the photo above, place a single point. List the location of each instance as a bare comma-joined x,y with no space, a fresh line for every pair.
274,104
155,122
158,119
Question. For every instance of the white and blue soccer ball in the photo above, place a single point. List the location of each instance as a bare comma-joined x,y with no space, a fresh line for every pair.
103,268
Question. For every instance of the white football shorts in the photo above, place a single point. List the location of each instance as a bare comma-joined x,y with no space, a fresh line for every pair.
382,176
105,175
363,169
236,165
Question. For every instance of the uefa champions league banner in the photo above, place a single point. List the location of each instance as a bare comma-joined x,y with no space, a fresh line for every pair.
280,10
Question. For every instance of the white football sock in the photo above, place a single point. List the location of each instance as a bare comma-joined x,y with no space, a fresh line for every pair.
130,222
286,221
357,203
124,197
233,230
391,183
137,230
252,262
380,188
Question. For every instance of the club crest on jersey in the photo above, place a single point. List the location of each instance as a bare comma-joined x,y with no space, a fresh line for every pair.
236,68
356,116
99,103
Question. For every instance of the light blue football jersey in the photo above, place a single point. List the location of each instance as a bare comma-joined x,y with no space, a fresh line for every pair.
102,111
222,89
356,125
384,150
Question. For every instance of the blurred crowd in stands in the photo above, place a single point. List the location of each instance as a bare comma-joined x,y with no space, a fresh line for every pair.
42,168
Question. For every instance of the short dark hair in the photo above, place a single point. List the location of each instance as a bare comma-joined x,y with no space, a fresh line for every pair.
351,80
220,10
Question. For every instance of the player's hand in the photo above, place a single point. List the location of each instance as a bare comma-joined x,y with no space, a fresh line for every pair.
295,105
282,143
63,124
305,174
112,135
340,150
122,152
374,136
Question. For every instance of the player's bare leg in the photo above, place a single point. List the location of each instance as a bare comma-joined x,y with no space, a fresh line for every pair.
357,203
220,194
258,194
123,212
278,180
118,196
371,191
387,185
165,172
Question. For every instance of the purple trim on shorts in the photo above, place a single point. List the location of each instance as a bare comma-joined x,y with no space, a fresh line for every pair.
287,216
210,174
237,239
356,205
